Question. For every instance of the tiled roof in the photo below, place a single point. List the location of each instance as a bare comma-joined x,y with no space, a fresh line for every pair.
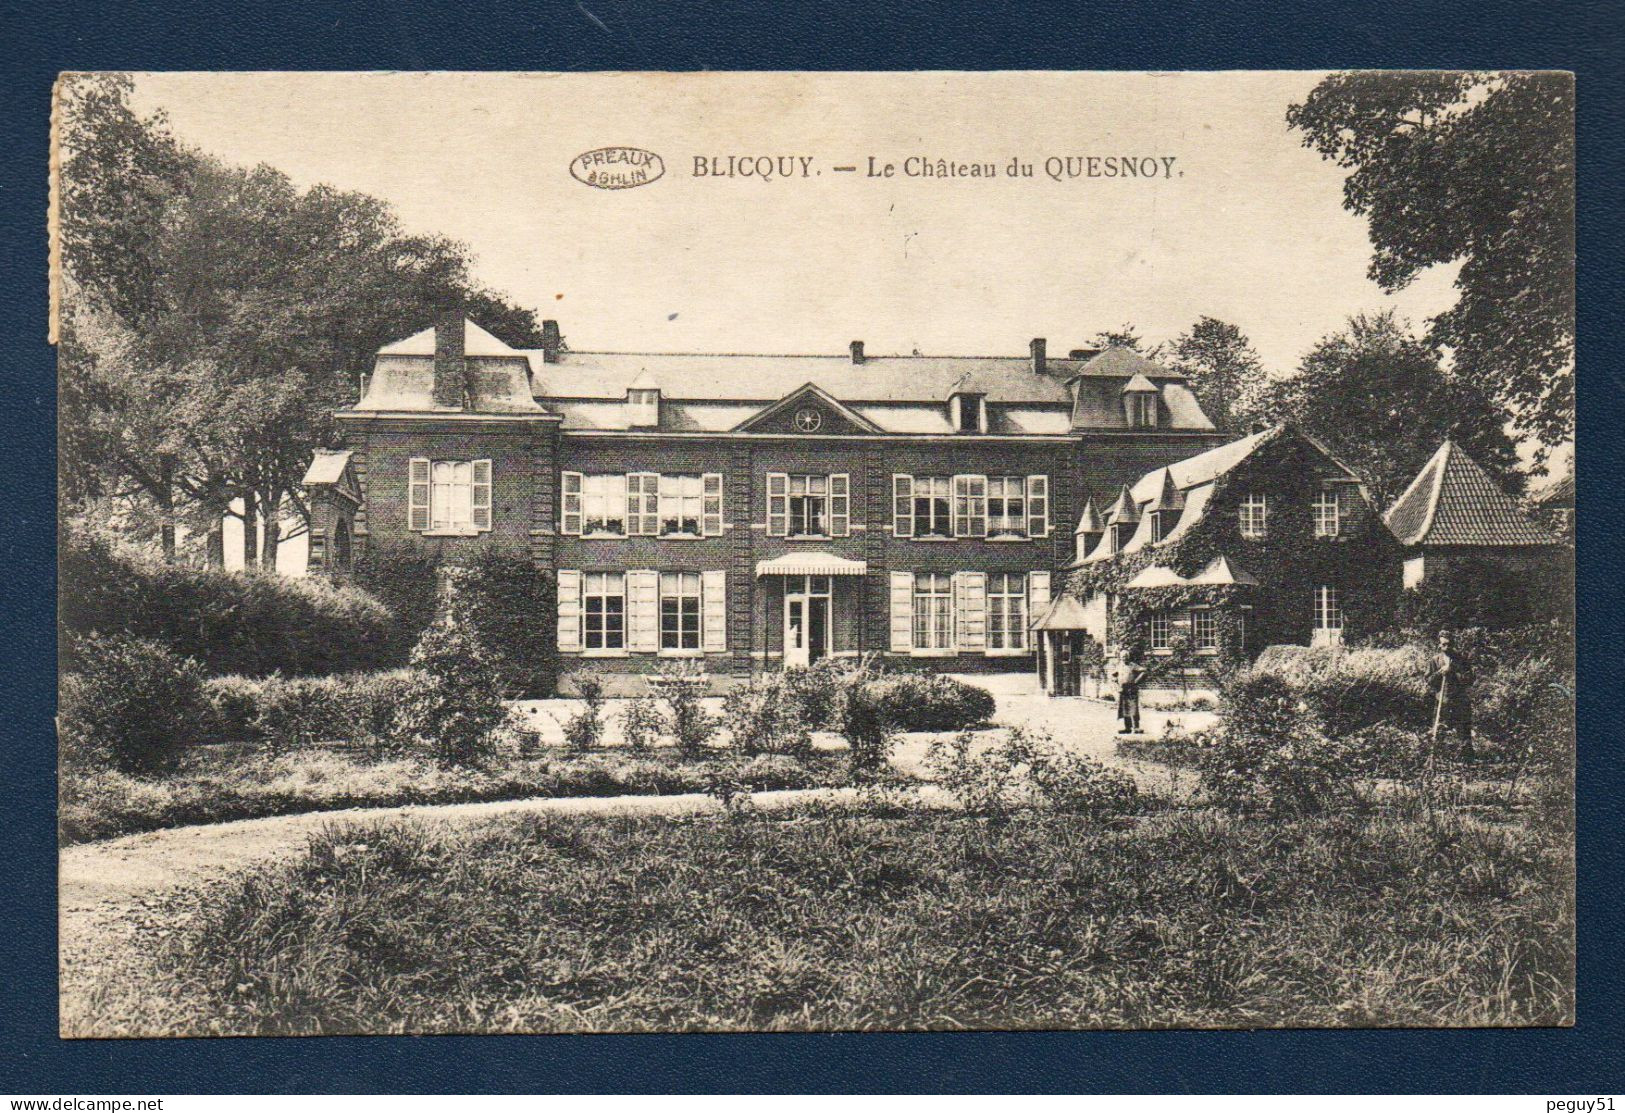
1559,494
1453,501
1068,395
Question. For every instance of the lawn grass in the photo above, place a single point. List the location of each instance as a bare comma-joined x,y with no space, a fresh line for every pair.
227,783
925,921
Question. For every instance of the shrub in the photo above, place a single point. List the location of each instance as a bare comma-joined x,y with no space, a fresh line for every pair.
682,686
864,718
1273,753
767,716
1027,768
511,604
1484,593
1525,713
455,712
1350,689
933,702
129,703
816,691
405,578
251,623
283,713
641,723
585,729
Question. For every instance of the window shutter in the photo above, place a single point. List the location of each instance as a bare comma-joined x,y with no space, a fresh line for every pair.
480,501
778,504
714,610
840,504
970,605
569,606
417,516
570,518
711,510
902,514
643,611
1038,506
902,612
1037,593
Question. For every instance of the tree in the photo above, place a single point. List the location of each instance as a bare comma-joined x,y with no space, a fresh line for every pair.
219,315
1377,397
1224,371
1125,336
1477,168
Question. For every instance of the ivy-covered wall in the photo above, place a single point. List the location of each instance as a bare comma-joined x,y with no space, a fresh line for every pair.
1363,562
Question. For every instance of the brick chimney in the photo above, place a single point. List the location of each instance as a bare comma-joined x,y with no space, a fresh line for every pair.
550,342
1037,347
857,351
450,369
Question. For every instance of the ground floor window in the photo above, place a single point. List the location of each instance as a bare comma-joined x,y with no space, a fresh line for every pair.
1006,610
1204,629
1161,629
603,597
679,610
1328,615
933,611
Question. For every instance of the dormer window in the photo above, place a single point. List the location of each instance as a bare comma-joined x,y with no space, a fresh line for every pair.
1120,534
968,412
1162,523
1140,403
643,407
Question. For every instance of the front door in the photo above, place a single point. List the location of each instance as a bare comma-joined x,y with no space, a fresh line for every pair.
806,620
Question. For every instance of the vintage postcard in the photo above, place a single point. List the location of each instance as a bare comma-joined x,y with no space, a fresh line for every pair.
790,551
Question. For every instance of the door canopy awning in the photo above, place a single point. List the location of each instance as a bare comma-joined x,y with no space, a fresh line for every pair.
811,564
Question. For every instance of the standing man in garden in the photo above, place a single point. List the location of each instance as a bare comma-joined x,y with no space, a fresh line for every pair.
1453,675
1130,674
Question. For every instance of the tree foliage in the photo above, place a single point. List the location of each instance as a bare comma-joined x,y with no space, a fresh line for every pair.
1224,371
1476,168
1379,400
214,315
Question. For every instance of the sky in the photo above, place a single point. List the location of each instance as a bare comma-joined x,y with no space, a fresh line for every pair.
1244,223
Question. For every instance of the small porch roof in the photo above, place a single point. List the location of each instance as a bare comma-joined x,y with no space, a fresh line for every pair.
1218,573
1065,613
811,564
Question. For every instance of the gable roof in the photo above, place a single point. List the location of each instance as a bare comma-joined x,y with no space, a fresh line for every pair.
327,466
804,392
1453,501
1089,521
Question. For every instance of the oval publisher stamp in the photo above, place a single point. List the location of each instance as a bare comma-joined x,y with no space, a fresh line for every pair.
617,167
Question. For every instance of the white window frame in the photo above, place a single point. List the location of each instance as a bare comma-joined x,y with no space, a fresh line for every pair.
675,587
681,500
1038,506
603,499
933,614
1253,517
1208,615
970,506
1142,409
1327,511
711,504
936,493
1007,612
1328,616
604,587
449,498
1160,631
999,491
643,504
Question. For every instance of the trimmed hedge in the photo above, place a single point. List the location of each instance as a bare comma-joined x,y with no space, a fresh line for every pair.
932,702
279,713
248,623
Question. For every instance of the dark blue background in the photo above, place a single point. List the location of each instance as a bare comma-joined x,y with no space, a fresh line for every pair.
46,37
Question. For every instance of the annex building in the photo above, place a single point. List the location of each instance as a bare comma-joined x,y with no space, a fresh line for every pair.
753,510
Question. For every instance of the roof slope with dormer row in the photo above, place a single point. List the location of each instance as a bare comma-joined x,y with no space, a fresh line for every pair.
716,392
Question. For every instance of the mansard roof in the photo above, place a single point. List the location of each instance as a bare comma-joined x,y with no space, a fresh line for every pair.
1453,501
706,392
